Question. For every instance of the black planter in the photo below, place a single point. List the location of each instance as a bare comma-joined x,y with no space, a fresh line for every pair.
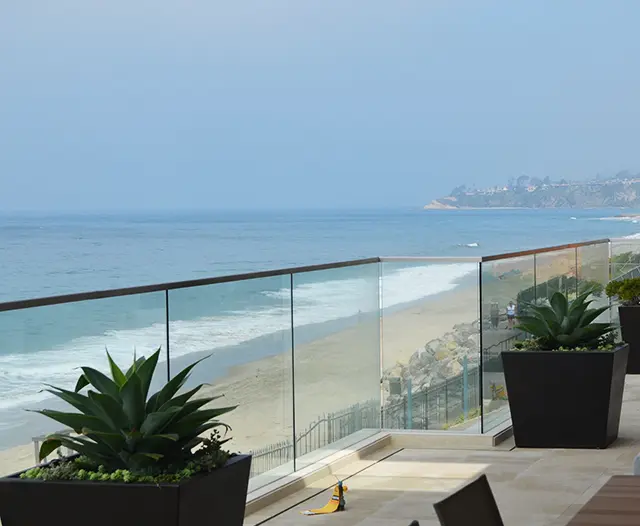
218,497
630,328
565,399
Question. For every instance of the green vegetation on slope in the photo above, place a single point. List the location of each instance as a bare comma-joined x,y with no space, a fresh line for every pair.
622,190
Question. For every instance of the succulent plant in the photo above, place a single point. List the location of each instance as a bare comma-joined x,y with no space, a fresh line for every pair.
119,427
565,324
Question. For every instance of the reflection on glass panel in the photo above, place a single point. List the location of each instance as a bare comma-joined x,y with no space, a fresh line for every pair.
625,263
336,359
507,286
244,327
430,343
593,274
556,271
47,345
625,258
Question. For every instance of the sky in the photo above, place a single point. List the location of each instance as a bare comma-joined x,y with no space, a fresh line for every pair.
203,104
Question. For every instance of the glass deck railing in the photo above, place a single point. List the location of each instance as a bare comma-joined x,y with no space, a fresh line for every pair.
430,343
524,278
316,358
297,351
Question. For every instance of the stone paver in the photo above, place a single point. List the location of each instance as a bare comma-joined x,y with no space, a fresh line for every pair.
532,487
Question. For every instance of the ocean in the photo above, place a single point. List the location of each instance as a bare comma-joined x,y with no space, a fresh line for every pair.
44,255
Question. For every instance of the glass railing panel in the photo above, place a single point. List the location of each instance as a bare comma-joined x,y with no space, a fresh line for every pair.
336,359
625,258
593,275
556,272
624,263
430,344
47,345
243,328
507,286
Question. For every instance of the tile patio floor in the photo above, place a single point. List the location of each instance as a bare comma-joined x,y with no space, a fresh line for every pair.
532,487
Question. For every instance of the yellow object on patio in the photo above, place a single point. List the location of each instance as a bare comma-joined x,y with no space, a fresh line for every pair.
337,502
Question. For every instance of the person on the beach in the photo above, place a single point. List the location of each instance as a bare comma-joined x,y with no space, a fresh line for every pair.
511,314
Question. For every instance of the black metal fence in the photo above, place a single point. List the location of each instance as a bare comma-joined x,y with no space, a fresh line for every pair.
325,431
450,402
435,407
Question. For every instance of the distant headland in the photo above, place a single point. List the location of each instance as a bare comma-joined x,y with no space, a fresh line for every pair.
620,191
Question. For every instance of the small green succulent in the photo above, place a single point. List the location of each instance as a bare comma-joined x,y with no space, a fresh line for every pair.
565,324
119,426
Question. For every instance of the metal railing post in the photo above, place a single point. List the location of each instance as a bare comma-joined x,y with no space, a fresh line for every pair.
465,387
535,278
446,401
426,408
293,375
167,318
409,404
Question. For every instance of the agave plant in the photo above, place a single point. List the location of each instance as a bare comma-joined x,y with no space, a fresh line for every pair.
565,323
120,427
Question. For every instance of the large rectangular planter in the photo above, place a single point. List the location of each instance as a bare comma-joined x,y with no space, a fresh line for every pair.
565,399
218,497
630,328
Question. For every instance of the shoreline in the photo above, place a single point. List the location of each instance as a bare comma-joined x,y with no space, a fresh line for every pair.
429,207
453,208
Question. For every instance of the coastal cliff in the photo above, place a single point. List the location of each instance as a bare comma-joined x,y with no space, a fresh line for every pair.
446,203
620,191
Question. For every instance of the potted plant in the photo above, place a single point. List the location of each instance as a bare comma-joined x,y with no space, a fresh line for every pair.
565,383
628,292
140,460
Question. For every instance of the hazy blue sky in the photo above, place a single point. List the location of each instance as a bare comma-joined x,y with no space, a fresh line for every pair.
273,103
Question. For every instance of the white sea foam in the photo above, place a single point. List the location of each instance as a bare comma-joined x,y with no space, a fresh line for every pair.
414,283
470,245
624,219
22,375
631,219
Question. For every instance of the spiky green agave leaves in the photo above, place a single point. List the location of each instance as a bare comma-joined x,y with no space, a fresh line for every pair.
119,426
565,323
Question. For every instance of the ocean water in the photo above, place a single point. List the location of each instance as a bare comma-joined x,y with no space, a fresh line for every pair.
43,255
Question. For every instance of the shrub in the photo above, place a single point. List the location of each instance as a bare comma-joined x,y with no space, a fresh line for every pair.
626,290
209,457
